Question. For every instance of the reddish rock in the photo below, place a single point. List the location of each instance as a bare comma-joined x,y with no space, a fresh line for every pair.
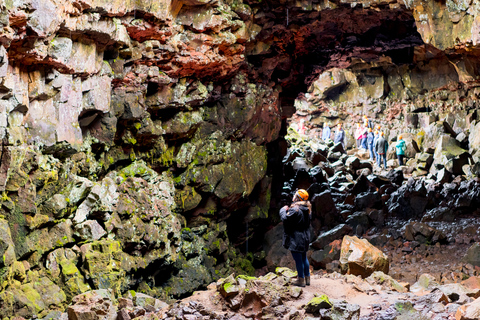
359,257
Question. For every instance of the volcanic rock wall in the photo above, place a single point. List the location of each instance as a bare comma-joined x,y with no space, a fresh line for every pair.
116,118
132,131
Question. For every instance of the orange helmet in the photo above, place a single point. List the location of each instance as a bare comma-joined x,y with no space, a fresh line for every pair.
302,194
369,129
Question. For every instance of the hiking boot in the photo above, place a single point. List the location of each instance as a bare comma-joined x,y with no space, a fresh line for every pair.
300,282
307,280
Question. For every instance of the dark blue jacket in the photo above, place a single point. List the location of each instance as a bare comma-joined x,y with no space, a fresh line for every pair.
296,226
370,138
339,137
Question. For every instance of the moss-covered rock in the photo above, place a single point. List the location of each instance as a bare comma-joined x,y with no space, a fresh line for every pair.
193,273
6,242
317,303
187,199
31,298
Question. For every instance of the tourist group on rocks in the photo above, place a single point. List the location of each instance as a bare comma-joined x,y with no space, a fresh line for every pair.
368,137
335,197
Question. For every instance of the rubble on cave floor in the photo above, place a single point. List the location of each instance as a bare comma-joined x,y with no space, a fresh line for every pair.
330,296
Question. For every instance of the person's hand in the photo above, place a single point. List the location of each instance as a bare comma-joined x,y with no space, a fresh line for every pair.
285,207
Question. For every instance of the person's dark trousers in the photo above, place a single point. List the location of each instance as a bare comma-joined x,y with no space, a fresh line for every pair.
400,159
301,263
381,157
372,154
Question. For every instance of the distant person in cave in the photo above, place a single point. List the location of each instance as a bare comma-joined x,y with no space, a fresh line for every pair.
375,138
370,138
368,123
400,147
326,132
358,135
301,127
339,136
364,135
382,146
296,234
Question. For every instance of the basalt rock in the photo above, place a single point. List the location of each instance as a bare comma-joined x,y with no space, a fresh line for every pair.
359,257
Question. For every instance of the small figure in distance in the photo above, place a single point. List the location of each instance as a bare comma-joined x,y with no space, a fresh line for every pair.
368,122
301,127
375,138
326,132
358,135
370,138
382,146
339,136
400,147
364,135
296,234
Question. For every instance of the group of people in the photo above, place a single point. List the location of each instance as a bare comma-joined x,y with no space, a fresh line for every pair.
370,138
297,216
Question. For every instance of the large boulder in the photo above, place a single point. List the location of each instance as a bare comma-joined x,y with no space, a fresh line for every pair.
320,258
423,233
472,255
474,141
98,304
359,257
427,138
324,207
331,235
449,155
469,311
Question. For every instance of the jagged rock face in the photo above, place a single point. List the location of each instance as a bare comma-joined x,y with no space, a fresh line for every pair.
129,129
115,118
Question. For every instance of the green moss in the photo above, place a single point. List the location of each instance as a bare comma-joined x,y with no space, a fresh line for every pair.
69,269
317,303
245,266
246,278
227,285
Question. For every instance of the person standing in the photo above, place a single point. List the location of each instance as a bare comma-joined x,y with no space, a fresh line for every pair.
326,132
370,139
296,234
381,146
364,135
375,138
301,127
368,122
358,135
400,147
339,135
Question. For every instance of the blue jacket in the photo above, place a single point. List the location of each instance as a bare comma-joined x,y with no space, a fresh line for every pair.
339,137
370,138
401,147
326,133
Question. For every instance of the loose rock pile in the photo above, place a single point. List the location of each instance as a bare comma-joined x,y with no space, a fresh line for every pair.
272,297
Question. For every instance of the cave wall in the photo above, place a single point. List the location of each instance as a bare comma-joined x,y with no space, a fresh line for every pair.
139,136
